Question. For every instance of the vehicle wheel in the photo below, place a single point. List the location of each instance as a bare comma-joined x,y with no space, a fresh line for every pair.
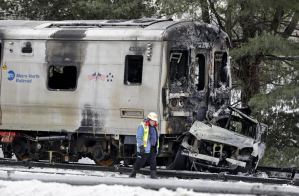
180,160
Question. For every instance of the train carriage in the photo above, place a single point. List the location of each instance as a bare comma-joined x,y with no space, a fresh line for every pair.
73,89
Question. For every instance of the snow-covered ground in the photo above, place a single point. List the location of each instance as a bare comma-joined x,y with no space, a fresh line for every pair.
37,188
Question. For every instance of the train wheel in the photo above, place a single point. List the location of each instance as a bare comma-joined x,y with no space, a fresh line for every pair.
109,162
21,158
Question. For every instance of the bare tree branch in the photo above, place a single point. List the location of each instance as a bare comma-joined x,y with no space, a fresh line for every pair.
292,25
277,17
218,17
205,11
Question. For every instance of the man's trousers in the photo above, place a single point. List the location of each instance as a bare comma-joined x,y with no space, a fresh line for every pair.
147,157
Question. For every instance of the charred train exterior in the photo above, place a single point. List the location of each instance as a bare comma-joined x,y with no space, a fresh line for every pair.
74,89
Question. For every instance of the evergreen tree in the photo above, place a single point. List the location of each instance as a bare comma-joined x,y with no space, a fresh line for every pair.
78,9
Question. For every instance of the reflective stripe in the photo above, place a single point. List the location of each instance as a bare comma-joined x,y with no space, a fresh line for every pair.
145,135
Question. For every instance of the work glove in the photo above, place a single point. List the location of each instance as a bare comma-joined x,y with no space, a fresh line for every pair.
141,150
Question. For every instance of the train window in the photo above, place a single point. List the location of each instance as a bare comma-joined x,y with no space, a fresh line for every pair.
220,73
178,65
133,70
200,72
26,48
62,77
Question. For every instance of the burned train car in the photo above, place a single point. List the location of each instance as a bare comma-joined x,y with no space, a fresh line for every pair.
73,89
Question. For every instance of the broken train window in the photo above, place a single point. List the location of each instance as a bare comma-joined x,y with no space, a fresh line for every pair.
178,68
220,72
133,70
199,72
62,77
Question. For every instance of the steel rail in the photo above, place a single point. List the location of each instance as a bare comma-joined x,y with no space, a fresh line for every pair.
156,184
161,173
292,170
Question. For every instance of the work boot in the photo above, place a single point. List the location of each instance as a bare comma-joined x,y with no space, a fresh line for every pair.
154,174
133,173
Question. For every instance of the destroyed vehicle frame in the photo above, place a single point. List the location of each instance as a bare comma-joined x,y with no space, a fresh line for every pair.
237,147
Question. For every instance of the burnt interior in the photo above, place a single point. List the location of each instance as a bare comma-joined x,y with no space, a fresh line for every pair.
178,70
238,124
199,71
220,73
62,77
133,70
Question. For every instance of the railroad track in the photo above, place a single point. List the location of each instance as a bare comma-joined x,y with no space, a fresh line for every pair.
160,172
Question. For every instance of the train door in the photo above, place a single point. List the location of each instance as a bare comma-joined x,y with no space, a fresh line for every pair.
221,79
187,95
199,74
221,75
176,91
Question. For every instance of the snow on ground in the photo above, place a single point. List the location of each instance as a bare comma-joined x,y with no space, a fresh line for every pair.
37,188
86,161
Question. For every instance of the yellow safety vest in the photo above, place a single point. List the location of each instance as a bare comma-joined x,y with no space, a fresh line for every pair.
145,134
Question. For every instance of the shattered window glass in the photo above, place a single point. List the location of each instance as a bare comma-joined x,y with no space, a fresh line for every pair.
220,73
133,70
62,77
200,72
239,124
178,69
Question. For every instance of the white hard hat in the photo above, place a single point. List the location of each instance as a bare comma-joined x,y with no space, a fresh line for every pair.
153,116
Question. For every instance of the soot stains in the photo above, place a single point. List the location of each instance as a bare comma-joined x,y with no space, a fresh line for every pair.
91,120
69,34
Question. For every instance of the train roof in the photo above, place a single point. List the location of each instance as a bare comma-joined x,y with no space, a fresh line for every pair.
140,29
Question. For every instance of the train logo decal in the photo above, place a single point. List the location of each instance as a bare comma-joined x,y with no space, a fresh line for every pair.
22,78
11,75
109,77
92,76
100,76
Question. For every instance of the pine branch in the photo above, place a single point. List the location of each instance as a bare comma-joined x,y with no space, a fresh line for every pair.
273,57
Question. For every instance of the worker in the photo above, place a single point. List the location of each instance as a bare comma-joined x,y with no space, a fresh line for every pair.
147,145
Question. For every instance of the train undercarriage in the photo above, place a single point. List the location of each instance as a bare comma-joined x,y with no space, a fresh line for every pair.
235,144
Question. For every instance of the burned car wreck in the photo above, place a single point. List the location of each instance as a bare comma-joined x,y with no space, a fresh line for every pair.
235,145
